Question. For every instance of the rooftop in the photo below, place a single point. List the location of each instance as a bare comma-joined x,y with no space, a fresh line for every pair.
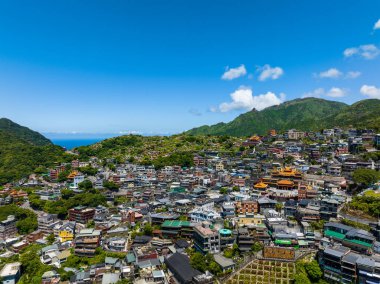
175,223
10,269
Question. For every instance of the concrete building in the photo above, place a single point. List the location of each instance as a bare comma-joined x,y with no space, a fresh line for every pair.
206,239
8,228
47,222
341,265
247,207
244,240
356,239
11,273
86,242
81,214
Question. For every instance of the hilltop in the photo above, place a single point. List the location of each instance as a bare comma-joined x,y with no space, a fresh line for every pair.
23,132
158,150
308,114
24,151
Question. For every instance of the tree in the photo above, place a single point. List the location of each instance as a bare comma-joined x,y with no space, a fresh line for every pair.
313,270
40,170
88,170
32,266
110,185
148,230
257,246
365,177
301,278
50,238
183,218
86,184
62,176
198,262
317,225
67,193
223,190
289,160
279,207
214,268
26,219
235,188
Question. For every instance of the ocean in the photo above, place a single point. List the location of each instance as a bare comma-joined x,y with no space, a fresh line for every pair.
72,143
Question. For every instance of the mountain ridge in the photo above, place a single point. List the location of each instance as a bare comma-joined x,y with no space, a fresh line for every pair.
23,132
305,114
23,151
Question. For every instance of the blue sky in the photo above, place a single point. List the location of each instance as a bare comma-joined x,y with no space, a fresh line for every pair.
167,66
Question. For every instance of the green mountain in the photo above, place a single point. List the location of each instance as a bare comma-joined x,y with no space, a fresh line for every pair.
23,151
362,114
23,132
303,114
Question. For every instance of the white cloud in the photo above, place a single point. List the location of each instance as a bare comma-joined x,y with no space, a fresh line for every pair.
368,51
233,73
317,93
370,91
335,92
243,99
331,73
377,25
334,73
267,72
353,74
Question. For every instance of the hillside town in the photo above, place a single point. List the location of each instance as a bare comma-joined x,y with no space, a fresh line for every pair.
277,208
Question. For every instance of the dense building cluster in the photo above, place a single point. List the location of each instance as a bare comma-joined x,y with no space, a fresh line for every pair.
277,197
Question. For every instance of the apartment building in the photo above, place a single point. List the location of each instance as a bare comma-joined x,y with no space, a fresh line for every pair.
341,265
86,242
8,228
206,239
247,207
356,239
47,222
81,214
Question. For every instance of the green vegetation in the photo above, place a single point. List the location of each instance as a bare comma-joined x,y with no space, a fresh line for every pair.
159,151
375,156
257,246
231,252
19,158
100,255
308,272
372,193
317,225
23,133
356,224
365,177
32,266
33,269
203,263
110,185
50,238
85,185
88,170
183,159
303,114
91,198
26,219
368,204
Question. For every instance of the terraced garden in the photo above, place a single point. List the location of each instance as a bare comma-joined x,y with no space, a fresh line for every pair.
265,271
